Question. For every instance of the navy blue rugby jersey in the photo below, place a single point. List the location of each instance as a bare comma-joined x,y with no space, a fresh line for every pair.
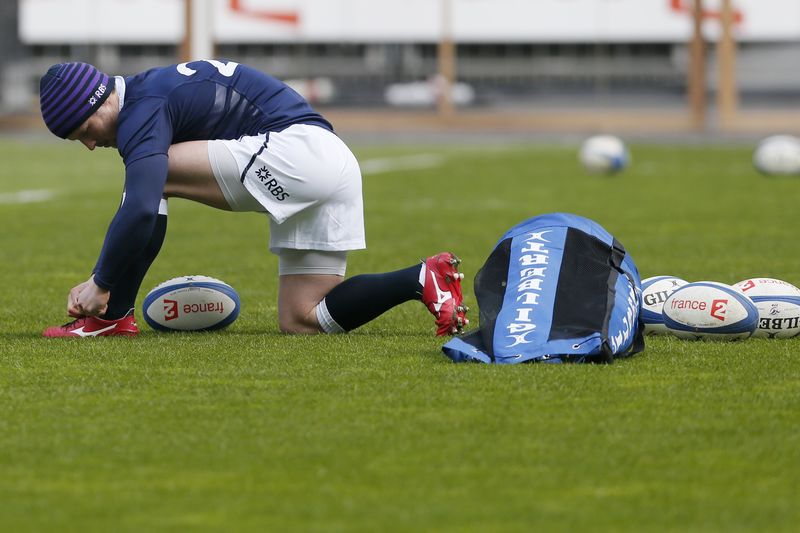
200,100
205,100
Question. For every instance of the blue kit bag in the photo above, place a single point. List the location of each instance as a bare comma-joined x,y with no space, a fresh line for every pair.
556,288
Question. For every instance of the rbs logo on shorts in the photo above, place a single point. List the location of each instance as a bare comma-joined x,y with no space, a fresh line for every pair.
264,176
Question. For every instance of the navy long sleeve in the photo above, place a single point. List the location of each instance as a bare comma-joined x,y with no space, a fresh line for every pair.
132,227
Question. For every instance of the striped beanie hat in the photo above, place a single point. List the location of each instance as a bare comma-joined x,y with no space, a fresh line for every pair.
69,93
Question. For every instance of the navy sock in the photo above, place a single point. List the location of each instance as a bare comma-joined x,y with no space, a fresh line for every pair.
359,299
123,296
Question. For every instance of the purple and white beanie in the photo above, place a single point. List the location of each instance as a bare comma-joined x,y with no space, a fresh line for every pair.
69,93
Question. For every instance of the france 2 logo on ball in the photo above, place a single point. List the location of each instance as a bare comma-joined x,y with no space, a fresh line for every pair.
710,310
719,308
191,303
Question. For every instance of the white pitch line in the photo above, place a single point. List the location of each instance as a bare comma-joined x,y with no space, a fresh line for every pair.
26,197
391,164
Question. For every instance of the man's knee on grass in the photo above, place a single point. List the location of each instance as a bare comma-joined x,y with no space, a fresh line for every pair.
298,297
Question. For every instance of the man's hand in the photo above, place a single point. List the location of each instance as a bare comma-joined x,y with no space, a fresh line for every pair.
87,299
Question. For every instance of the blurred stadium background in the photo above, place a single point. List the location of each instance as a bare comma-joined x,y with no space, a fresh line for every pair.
638,67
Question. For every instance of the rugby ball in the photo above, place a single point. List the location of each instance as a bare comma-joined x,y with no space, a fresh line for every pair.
778,304
655,291
778,155
711,311
191,303
604,154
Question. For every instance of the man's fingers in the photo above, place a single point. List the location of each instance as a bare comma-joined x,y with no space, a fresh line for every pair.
77,309
72,306
91,309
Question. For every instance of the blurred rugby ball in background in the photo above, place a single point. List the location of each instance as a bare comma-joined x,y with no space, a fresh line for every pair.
655,291
778,304
711,311
778,155
191,303
604,154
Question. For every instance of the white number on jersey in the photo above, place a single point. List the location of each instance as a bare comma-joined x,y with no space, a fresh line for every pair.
226,69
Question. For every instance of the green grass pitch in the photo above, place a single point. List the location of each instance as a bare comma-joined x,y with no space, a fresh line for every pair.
251,430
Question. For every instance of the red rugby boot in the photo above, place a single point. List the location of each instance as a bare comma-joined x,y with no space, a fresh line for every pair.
441,292
90,326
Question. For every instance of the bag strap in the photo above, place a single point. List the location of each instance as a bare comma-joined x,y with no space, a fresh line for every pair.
618,254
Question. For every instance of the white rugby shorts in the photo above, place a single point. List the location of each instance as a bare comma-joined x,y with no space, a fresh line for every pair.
304,177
